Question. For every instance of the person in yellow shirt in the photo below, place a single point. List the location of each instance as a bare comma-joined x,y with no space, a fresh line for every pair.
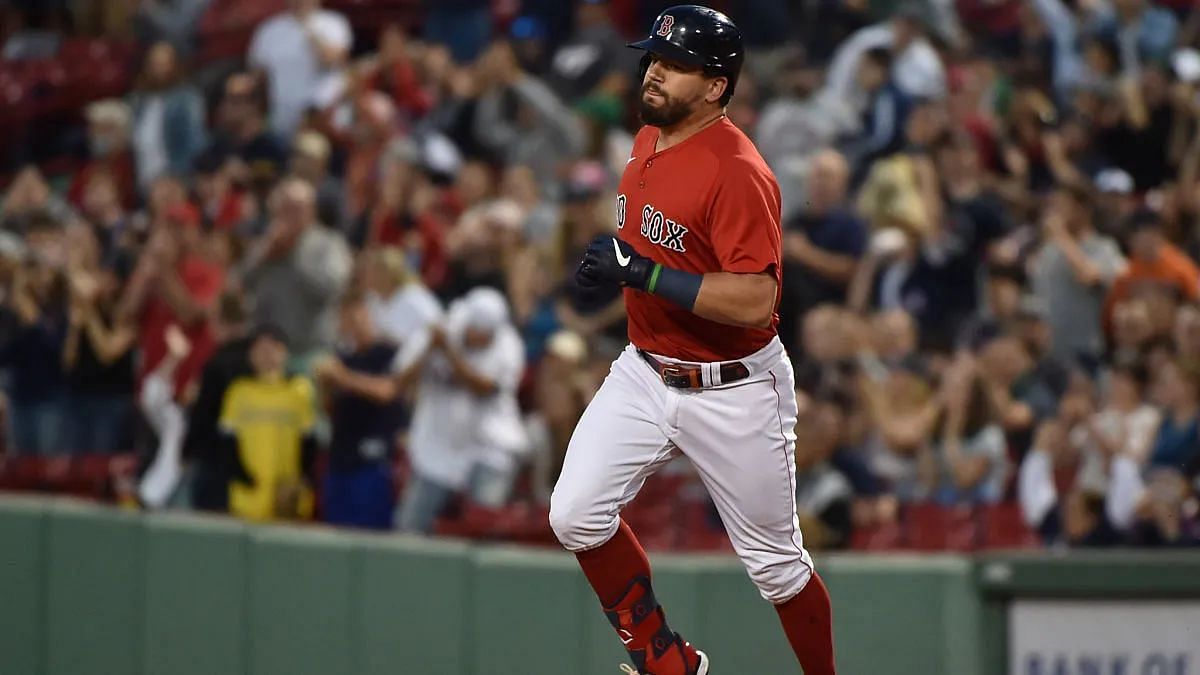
267,421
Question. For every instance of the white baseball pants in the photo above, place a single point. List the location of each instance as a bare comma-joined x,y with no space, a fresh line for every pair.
739,436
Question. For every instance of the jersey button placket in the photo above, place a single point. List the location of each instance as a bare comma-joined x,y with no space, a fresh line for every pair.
649,163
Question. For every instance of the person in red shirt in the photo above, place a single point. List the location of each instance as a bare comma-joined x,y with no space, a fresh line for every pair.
395,75
698,256
174,284
1153,262
412,212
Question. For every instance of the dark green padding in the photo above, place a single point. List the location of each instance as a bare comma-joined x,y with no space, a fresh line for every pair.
301,618
412,601
22,562
96,592
196,596
528,615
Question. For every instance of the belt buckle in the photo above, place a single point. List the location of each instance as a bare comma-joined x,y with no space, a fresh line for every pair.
669,371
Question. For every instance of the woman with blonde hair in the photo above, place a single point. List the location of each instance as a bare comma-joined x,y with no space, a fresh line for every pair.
399,303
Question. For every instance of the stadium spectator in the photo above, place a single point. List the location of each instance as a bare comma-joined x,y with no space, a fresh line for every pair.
587,181
1154,263
267,421
373,126
168,117
400,306
821,246
210,468
357,489
1020,396
917,69
301,52
310,160
114,227
98,354
297,270
1071,275
109,135
1186,334
466,433
224,203
1115,203
412,212
1144,32
1178,440
29,197
241,132
561,390
174,283
903,408
394,73
166,418
824,497
881,131
35,322
593,49
969,461
539,131
1124,428
483,245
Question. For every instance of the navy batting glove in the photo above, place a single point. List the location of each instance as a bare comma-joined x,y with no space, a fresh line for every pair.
609,260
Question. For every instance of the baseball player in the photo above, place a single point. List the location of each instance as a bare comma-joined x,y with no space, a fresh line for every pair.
697,254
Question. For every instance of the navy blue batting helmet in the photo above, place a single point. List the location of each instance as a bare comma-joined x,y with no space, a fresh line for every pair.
696,36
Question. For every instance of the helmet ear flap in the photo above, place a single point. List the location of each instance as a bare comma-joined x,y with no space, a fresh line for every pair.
643,66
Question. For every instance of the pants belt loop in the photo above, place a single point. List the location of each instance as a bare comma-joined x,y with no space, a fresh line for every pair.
716,374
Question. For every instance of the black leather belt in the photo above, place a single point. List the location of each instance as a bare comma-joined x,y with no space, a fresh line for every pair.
692,377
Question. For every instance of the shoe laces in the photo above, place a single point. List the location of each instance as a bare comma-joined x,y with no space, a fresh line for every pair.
628,669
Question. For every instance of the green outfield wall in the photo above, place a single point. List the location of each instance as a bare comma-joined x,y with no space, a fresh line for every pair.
86,590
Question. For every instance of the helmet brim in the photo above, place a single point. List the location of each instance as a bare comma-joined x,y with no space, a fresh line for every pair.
670,50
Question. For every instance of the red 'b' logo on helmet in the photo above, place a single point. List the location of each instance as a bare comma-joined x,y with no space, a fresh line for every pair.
664,28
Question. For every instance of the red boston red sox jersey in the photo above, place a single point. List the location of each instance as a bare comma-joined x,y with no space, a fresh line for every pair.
707,204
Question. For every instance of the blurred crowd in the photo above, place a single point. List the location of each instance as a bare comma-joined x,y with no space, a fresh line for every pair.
349,248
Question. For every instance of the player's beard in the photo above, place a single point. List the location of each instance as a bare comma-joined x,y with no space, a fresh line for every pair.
667,114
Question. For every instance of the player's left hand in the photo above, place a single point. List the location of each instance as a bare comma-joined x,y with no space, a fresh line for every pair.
608,260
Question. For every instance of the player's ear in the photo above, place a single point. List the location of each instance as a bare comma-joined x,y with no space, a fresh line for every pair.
716,88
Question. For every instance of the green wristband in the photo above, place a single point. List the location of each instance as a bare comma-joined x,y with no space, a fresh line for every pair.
653,278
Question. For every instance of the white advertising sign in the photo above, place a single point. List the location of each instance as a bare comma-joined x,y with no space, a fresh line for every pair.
1084,637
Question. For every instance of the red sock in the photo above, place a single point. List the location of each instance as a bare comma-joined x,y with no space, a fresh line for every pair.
619,572
611,567
808,622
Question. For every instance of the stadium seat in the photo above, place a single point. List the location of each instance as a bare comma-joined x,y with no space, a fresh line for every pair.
227,27
699,529
368,16
22,473
1003,527
877,537
934,527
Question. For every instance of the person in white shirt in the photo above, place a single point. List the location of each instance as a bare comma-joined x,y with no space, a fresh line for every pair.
1113,445
400,305
916,68
467,433
302,51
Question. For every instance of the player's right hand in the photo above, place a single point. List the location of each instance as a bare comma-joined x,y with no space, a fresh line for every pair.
609,260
